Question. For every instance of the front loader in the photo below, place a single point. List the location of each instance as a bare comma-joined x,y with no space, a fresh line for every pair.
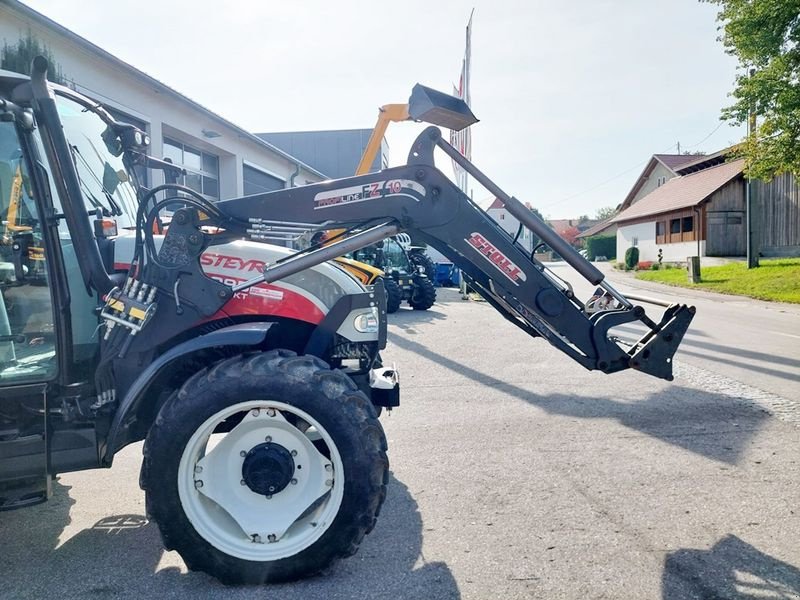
252,373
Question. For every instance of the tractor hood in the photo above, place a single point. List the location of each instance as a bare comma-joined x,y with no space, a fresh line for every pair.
306,296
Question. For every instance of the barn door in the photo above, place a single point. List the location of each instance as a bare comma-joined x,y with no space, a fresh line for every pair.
725,234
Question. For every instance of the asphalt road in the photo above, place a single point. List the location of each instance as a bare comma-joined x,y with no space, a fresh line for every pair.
515,474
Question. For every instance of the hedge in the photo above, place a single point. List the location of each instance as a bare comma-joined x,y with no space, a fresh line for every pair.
601,245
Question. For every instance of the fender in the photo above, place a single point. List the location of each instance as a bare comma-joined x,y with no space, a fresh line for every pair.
247,334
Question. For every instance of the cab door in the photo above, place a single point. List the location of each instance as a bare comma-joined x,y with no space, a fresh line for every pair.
28,333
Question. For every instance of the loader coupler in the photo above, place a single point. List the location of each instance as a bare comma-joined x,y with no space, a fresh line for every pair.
654,351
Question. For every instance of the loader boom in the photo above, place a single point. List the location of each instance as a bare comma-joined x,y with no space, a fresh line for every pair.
420,199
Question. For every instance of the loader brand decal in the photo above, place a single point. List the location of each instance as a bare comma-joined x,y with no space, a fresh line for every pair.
236,263
497,258
370,191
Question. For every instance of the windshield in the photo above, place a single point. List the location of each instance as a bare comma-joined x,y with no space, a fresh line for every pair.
104,181
394,256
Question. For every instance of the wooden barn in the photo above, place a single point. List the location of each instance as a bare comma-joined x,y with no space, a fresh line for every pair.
701,211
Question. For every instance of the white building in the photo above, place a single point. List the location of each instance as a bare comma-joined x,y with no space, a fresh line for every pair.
222,160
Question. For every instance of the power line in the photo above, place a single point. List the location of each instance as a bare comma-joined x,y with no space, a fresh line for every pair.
626,171
721,123
602,183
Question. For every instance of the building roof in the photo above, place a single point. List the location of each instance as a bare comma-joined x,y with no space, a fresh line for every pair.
152,81
597,228
703,161
682,192
496,204
673,162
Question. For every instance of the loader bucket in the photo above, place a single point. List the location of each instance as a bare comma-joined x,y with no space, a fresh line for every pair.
438,108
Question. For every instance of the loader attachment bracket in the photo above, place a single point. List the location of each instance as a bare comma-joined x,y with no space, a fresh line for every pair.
654,351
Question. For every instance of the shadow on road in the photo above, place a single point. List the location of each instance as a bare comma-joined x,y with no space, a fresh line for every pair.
712,425
121,556
731,570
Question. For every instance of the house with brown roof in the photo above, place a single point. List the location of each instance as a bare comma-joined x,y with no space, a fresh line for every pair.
701,211
658,170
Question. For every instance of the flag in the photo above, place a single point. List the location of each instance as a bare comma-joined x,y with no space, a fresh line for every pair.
462,140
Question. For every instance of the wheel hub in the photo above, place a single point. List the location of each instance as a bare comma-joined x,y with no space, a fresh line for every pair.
268,468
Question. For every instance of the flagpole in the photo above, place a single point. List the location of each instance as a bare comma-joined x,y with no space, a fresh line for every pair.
462,140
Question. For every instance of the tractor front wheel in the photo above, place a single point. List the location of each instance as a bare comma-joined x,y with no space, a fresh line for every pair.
423,295
394,295
265,468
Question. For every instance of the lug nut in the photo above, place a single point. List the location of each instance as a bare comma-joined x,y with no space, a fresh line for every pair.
294,452
242,453
271,412
243,482
256,538
329,482
328,467
272,538
269,496
198,484
198,469
255,412
268,438
294,481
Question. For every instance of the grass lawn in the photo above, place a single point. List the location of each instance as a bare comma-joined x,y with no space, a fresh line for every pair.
776,279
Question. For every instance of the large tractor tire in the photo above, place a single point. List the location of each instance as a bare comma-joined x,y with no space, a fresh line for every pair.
423,295
394,295
420,259
265,468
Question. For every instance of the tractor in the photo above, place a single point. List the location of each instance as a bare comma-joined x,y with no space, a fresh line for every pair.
252,373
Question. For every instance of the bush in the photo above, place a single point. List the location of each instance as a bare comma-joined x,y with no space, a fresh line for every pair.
601,245
631,257
655,267
644,265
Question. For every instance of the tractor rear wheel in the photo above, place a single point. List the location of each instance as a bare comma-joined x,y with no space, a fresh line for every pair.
394,295
423,295
265,468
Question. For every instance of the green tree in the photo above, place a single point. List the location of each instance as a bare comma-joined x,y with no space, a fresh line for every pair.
765,36
18,57
605,213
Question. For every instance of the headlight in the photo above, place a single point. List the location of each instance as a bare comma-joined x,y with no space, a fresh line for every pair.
367,321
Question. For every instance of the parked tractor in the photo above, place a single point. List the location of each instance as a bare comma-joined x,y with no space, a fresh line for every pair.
252,373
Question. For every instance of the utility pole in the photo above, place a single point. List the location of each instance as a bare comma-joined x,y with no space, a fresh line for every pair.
752,221
679,147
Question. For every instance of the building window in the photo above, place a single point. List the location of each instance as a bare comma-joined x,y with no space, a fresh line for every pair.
202,169
661,232
661,181
257,181
678,230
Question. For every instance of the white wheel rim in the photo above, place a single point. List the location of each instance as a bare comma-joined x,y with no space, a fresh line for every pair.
240,522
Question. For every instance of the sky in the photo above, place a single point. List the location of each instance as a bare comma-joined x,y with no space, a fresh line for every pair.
573,97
